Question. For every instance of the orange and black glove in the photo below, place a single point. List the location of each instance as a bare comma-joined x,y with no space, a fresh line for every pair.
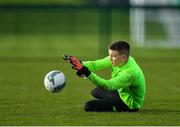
84,71
77,65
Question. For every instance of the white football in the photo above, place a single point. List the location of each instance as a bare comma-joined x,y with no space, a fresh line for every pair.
55,81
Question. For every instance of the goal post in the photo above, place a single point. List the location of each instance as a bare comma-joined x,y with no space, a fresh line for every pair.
155,23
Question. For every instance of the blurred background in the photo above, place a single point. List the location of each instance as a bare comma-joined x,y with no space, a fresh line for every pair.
34,34
31,28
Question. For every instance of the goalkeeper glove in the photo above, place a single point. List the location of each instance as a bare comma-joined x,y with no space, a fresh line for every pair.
77,65
74,61
84,71
67,58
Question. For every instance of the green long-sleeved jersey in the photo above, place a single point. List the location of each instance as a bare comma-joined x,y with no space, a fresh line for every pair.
128,79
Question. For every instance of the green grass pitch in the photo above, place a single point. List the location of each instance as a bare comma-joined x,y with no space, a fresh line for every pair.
25,60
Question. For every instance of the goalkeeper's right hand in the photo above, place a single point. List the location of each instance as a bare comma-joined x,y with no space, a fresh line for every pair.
76,64
82,71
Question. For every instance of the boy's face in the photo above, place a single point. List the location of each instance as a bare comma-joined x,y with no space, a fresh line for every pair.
116,58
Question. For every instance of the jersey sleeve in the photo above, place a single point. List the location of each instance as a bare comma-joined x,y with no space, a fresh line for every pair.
98,64
121,80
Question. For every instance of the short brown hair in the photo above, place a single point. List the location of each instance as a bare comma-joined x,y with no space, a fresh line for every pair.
121,46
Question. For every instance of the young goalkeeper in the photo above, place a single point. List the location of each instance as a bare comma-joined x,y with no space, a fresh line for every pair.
125,90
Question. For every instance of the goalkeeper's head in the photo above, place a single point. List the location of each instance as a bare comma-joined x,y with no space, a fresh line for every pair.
119,52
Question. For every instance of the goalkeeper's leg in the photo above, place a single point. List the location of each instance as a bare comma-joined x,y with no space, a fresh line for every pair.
107,101
111,96
100,105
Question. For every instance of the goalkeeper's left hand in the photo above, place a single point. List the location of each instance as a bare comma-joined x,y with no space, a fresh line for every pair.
77,65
